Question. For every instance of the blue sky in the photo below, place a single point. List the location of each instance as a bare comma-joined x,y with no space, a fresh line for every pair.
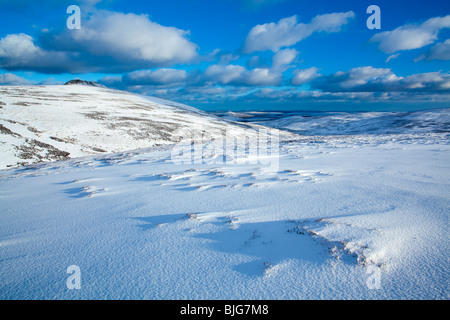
238,54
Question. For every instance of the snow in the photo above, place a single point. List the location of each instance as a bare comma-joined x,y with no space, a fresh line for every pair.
65,121
345,123
331,215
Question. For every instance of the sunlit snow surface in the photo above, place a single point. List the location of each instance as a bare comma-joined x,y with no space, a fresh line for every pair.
336,213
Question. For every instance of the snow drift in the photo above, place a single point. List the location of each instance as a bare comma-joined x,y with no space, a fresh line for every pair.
349,216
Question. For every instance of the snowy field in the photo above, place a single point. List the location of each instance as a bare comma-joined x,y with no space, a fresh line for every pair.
355,216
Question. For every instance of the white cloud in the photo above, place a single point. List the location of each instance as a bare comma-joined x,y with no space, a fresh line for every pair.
156,77
411,36
362,76
163,77
284,57
226,58
17,46
392,56
262,77
225,74
440,51
431,81
239,75
370,79
331,22
288,31
18,52
127,37
304,76
107,42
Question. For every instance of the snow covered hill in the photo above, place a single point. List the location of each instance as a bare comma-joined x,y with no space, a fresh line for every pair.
42,123
346,123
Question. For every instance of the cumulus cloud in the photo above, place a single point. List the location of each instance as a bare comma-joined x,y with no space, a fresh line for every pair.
18,52
218,74
370,79
239,75
225,74
262,77
284,57
128,37
429,82
288,31
157,77
304,76
20,46
229,74
411,36
107,42
440,51
356,79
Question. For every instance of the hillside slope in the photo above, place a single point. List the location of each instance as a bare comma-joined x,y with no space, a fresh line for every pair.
43,123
